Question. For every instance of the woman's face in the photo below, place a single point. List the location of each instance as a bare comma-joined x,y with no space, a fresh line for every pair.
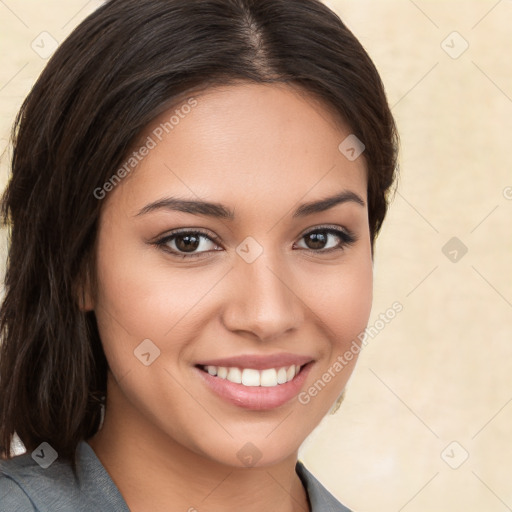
276,279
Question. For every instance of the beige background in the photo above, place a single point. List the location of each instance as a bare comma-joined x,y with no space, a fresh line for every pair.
440,372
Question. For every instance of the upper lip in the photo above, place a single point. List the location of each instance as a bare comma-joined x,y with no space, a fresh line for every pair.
259,361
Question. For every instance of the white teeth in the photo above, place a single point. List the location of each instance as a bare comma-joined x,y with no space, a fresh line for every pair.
234,375
281,376
250,377
269,378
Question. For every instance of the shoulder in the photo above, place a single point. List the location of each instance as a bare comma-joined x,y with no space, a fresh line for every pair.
32,484
12,495
320,498
28,485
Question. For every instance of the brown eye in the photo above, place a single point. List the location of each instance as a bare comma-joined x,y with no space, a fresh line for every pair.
316,240
187,243
324,239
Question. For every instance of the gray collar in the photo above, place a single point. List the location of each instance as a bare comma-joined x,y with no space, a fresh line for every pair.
320,499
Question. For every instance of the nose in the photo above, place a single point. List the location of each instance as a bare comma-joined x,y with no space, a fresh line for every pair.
263,300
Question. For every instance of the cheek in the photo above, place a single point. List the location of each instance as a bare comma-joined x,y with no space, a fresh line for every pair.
342,305
342,301
143,295
151,302
349,314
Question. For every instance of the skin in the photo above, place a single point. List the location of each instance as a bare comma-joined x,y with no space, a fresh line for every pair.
261,150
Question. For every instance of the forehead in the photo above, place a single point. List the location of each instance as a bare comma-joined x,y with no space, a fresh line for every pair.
245,143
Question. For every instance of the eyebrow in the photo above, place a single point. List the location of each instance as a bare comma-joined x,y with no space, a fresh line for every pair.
218,210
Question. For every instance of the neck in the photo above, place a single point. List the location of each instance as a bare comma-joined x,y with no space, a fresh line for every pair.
153,470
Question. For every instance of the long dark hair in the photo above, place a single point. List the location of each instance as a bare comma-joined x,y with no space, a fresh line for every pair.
101,88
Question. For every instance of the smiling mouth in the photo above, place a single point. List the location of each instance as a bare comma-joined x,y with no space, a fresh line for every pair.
250,377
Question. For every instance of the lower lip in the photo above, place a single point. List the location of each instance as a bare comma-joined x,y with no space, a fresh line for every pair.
256,397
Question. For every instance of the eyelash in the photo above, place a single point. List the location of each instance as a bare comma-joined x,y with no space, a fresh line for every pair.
347,238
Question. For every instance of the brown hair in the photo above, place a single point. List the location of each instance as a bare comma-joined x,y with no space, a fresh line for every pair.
101,88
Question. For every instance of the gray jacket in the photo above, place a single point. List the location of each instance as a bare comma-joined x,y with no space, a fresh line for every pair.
26,487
